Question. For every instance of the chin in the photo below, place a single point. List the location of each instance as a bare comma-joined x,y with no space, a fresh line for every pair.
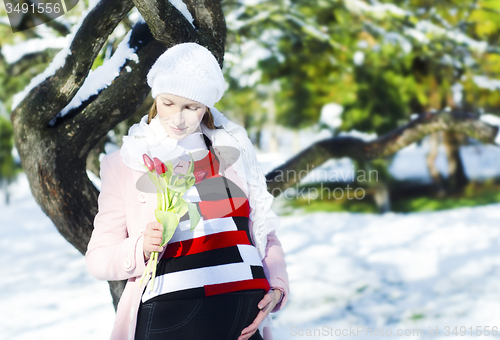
174,135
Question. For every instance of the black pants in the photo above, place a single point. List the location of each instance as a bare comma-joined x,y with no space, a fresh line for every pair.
217,317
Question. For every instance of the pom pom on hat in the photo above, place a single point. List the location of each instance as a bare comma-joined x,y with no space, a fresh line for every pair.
188,70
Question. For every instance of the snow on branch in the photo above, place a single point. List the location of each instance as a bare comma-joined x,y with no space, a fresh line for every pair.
58,62
61,80
181,7
103,76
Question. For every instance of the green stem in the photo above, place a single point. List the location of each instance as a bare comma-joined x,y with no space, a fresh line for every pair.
169,200
176,197
155,260
146,271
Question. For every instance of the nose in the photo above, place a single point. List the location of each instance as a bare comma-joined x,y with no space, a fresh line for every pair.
178,119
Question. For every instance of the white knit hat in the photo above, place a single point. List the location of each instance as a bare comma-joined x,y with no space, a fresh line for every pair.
188,70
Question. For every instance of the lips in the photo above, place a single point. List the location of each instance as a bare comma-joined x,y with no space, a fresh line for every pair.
177,130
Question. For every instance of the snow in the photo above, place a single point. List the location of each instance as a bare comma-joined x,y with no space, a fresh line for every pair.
309,28
58,61
378,10
457,90
358,134
104,75
417,35
94,179
47,292
347,271
365,270
492,120
487,83
331,115
181,7
15,52
240,62
358,58
427,27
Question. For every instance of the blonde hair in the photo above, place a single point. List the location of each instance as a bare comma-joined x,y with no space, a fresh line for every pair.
208,118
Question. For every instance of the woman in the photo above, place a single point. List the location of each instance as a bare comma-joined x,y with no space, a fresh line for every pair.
220,280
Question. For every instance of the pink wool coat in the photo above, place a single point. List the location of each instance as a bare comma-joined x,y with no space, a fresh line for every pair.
115,250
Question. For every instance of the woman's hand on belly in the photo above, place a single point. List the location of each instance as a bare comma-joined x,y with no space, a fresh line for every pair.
266,305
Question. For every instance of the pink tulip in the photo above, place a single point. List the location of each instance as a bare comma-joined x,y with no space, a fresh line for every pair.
200,175
159,166
148,162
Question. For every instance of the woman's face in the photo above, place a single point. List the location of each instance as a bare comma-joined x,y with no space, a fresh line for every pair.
179,116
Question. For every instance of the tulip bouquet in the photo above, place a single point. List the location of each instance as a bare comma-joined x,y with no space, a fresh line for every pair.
171,206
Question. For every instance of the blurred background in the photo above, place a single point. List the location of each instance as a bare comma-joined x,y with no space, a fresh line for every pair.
414,246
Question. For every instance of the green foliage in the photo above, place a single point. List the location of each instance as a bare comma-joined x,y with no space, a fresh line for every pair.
7,165
412,53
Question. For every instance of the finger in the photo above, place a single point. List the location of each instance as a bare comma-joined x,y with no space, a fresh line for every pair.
156,235
158,226
246,336
248,331
265,301
255,324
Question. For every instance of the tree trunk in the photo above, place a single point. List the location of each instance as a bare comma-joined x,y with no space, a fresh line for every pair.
457,179
431,162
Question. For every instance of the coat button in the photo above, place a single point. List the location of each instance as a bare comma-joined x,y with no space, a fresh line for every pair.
127,263
142,197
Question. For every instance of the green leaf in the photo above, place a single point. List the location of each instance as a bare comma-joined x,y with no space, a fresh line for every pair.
155,180
164,183
177,205
182,207
191,164
159,201
179,188
169,221
170,169
194,215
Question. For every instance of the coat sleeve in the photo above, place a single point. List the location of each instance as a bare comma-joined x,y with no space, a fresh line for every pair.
112,254
275,268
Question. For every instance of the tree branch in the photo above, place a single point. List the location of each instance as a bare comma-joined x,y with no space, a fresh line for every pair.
211,24
170,27
166,23
55,92
113,104
28,60
279,180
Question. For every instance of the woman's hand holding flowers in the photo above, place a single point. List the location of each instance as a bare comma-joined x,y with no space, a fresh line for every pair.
152,239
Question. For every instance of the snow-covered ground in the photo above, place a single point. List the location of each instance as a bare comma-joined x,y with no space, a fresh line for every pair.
348,272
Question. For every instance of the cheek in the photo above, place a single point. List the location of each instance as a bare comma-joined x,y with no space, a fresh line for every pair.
194,118
165,111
